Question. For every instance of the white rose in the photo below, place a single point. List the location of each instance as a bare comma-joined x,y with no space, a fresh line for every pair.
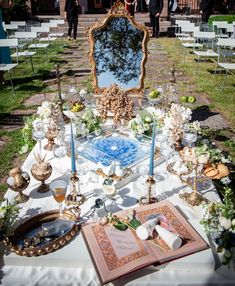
203,159
140,129
148,119
82,92
233,222
226,180
225,222
146,126
2,213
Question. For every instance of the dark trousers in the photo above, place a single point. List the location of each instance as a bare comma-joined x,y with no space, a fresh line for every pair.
73,25
155,24
206,15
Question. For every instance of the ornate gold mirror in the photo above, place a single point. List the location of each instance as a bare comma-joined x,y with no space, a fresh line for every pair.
118,52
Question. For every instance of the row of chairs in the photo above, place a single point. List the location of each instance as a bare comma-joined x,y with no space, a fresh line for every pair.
25,35
219,48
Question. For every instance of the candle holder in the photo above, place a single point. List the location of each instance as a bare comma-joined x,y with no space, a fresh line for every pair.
74,196
149,198
194,198
60,101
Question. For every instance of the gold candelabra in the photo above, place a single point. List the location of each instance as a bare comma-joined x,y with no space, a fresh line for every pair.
194,198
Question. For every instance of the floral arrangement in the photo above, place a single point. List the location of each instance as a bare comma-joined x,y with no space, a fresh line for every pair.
219,224
50,114
88,122
175,121
27,141
142,123
8,217
215,155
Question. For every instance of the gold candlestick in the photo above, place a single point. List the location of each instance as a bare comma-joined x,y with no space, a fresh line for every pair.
149,198
61,101
74,197
194,198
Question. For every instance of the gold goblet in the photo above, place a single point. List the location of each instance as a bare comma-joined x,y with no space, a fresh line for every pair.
18,181
41,171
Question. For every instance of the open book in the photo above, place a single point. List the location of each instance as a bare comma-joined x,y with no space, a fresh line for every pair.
116,253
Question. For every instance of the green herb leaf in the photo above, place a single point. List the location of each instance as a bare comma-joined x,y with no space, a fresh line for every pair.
120,226
135,223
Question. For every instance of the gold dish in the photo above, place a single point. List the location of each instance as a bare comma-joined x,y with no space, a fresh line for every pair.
128,172
172,171
23,241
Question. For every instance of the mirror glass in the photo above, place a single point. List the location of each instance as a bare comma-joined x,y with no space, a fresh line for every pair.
118,54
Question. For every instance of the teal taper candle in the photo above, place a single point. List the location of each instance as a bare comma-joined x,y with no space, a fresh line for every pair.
73,163
152,151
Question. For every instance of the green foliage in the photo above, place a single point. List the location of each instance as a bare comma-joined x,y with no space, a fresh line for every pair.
228,18
219,223
8,217
26,139
19,12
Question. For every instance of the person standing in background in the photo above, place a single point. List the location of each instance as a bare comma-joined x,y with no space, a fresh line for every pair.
5,56
141,6
130,6
72,10
206,9
155,10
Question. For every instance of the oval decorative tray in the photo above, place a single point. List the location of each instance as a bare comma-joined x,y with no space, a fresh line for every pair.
43,233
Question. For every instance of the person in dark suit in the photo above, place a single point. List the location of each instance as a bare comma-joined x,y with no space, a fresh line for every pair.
206,9
155,9
72,10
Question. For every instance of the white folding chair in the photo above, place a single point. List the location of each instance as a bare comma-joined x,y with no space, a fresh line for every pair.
11,43
9,28
225,47
228,67
21,24
36,45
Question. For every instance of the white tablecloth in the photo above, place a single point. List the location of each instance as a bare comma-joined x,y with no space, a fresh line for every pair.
71,265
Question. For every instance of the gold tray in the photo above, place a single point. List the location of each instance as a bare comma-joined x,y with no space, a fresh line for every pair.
32,227
172,171
128,172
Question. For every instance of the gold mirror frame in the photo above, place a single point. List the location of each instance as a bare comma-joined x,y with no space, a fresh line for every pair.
118,10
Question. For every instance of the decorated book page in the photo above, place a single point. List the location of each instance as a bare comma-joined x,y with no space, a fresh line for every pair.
116,253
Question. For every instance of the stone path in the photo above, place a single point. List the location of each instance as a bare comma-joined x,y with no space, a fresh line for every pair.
76,69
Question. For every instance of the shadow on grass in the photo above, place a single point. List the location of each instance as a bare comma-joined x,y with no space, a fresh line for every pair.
8,119
201,113
30,87
58,61
216,72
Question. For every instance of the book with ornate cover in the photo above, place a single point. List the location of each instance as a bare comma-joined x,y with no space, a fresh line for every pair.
116,253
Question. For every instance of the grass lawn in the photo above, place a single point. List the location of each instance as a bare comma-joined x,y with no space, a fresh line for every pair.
26,84
205,82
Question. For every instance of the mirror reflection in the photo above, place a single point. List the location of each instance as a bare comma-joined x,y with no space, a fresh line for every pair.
118,53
